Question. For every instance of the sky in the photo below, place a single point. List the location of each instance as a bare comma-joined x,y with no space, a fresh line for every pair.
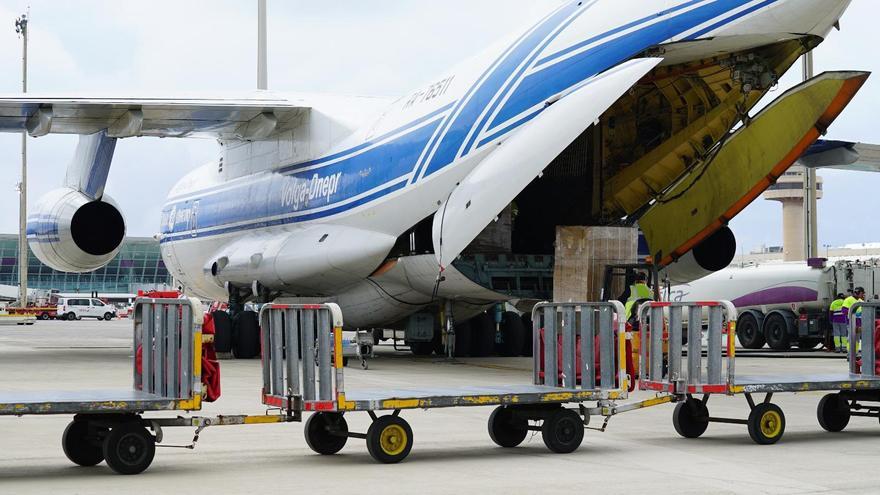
386,48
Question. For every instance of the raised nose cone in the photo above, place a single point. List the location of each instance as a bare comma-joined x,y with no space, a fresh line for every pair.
816,17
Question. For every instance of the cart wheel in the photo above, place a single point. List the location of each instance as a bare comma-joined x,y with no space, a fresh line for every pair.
833,413
319,436
80,447
129,448
505,429
389,439
563,431
691,418
766,424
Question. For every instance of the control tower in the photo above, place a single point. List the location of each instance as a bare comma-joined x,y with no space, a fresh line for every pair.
789,190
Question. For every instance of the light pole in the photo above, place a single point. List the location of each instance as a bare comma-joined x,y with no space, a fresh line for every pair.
262,47
811,227
21,27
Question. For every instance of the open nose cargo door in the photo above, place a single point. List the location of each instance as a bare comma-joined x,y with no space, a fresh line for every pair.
751,160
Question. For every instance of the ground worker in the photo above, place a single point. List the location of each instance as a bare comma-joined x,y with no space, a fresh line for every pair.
857,295
838,323
639,291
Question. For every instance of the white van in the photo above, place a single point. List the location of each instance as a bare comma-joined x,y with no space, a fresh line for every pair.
77,308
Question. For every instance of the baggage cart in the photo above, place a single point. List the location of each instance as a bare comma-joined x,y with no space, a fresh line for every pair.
303,372
683,372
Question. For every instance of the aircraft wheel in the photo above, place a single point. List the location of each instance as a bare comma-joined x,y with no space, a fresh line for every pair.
482,335
513,334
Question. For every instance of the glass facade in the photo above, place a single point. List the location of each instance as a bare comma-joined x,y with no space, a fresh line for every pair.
138,265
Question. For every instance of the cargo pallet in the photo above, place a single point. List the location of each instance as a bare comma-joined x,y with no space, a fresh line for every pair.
663,357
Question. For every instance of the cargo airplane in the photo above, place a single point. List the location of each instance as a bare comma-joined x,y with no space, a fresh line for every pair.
601,113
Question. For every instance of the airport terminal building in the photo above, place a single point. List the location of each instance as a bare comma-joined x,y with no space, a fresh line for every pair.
138,266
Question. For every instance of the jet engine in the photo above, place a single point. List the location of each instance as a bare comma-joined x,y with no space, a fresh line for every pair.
713,254
71,232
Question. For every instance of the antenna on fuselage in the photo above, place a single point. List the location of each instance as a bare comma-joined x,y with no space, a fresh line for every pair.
262,47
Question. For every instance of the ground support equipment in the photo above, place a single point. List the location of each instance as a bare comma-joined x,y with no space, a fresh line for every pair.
303,372
683,373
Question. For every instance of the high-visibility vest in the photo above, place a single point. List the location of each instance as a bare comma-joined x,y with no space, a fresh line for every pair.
837,305
848,304
637,292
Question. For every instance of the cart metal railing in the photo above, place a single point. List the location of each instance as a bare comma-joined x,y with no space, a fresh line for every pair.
168,344
299,339
663,366
862,331
593,324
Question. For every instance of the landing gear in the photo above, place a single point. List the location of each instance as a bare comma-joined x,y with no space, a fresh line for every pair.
513,335
326,433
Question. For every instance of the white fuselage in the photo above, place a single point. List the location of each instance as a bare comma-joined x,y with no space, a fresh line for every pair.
367,170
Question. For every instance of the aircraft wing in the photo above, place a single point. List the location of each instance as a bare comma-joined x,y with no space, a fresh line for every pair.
843,155
254,117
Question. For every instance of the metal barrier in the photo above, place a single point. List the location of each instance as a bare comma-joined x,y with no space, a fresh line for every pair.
168,344
660,367
586,322
867,366
297,340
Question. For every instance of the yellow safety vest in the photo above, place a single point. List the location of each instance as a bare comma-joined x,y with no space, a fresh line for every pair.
849,301
637,292
837,305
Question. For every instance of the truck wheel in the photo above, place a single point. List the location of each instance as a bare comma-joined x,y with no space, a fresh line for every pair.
749,332
833,413
513,334
482,335
776,332
71,316
44,316
108,316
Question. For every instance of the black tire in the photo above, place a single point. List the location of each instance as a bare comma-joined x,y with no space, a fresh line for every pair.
326,433
749,332
766,424
437,344
71,316
129,448
691,418
108,316
513,335
389,439
776,332
82,444
563,431
246,335
506,429
377,336
421,348
44,316
527,344
222,331
834,413
482,335
463,339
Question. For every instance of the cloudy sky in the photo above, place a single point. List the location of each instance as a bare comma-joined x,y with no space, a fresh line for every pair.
387,47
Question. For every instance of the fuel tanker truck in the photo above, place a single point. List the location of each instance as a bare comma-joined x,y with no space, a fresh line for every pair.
783,304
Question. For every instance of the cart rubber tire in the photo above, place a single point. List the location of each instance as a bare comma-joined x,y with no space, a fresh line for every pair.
563,431
749,332
389,439
776,332
246,335
513,335
421,348
505,429
318,436
691,418
80,447
833,413
482,335
766,424
463,339
527,344
129,448
222,331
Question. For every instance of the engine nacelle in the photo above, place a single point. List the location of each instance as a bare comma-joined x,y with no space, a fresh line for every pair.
71,232
714,254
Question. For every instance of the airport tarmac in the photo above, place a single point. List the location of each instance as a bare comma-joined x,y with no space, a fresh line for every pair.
452,453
